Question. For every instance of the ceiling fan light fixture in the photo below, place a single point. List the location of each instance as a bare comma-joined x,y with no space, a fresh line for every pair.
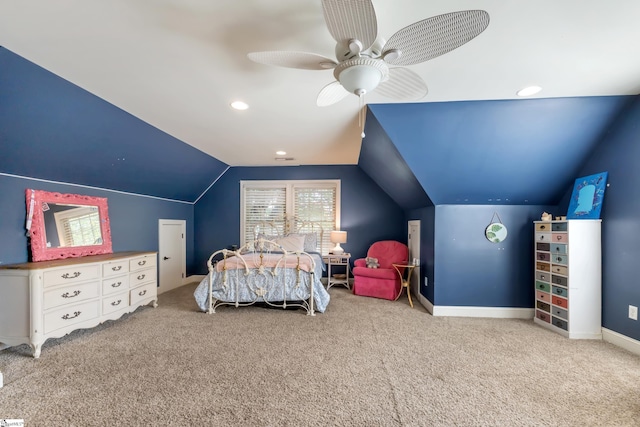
239,105
529,90
361,75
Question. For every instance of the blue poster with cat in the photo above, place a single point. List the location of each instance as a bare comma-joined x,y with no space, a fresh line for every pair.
587,197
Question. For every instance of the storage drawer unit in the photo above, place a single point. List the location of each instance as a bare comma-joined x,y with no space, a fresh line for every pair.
567,279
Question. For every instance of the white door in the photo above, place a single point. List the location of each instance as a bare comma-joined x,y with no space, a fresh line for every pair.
414,253
172,253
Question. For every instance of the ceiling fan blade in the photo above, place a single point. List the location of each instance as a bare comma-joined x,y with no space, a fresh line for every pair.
288,59
331,94
435,36
403,85
351,19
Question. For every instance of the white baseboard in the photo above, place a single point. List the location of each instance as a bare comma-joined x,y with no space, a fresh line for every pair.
495,312
620,340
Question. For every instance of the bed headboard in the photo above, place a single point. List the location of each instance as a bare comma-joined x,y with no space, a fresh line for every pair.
276,229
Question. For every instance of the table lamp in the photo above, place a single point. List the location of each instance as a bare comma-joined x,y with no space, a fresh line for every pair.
338,237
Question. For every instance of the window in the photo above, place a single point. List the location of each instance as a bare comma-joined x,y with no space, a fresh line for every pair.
287,204
79,226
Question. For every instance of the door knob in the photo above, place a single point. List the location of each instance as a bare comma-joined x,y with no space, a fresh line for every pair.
166,258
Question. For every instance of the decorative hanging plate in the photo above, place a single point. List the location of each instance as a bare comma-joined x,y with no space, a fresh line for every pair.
496,231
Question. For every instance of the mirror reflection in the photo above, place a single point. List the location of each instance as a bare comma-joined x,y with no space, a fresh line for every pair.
68,225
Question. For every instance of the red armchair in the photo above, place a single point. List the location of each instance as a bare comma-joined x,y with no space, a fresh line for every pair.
383,281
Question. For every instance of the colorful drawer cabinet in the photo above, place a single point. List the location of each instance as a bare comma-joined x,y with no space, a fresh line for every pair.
568,277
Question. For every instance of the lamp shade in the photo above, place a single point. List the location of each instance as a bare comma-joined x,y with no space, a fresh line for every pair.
338,237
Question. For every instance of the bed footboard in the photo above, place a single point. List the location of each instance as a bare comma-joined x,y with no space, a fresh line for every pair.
261,271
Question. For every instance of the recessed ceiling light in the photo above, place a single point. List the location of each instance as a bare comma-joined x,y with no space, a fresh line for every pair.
239,105
281,153
528,91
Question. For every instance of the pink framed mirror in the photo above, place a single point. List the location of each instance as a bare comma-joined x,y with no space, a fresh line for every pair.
67,225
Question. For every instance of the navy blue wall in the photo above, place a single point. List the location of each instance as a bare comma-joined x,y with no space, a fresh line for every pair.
368,213
470,270
619,154
134,219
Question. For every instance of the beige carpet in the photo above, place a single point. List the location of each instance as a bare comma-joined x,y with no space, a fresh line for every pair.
365,362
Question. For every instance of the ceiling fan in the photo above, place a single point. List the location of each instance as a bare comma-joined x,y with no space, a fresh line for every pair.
364,61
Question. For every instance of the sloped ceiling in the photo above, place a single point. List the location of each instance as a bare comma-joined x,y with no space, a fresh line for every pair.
517,152
51,129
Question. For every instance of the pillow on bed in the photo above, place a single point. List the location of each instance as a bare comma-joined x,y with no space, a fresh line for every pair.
310,241
292,243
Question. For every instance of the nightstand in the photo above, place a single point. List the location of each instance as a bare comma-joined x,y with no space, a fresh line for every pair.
341,261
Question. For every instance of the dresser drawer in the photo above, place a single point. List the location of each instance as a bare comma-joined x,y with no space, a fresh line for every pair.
542,226
560,269
559,226
543,306
71,294
560,259
73,274
543,256
559,280
114,268
70,315
142,262
543,296
558,248
115,284
543,237
559,312
543,286
143,292
559,290
139,277
541,275
543,266
115,302
544,316
559,323
560,238
560,302
543,246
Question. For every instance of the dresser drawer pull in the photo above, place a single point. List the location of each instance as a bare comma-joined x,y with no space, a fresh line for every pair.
542,227
67,295
143,262
116,285
69,276
559,237
117,268
142,293
114,303
68,317
140,277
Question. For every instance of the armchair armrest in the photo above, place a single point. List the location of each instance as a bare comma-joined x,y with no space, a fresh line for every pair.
360,262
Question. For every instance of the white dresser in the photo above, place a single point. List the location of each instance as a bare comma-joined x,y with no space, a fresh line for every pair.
49,299
568,277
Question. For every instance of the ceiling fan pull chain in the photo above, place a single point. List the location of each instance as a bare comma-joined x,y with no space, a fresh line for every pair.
361,115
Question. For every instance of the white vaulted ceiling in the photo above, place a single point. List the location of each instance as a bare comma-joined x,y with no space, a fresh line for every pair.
177,64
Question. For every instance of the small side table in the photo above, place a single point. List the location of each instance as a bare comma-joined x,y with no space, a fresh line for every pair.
337,260
406,282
